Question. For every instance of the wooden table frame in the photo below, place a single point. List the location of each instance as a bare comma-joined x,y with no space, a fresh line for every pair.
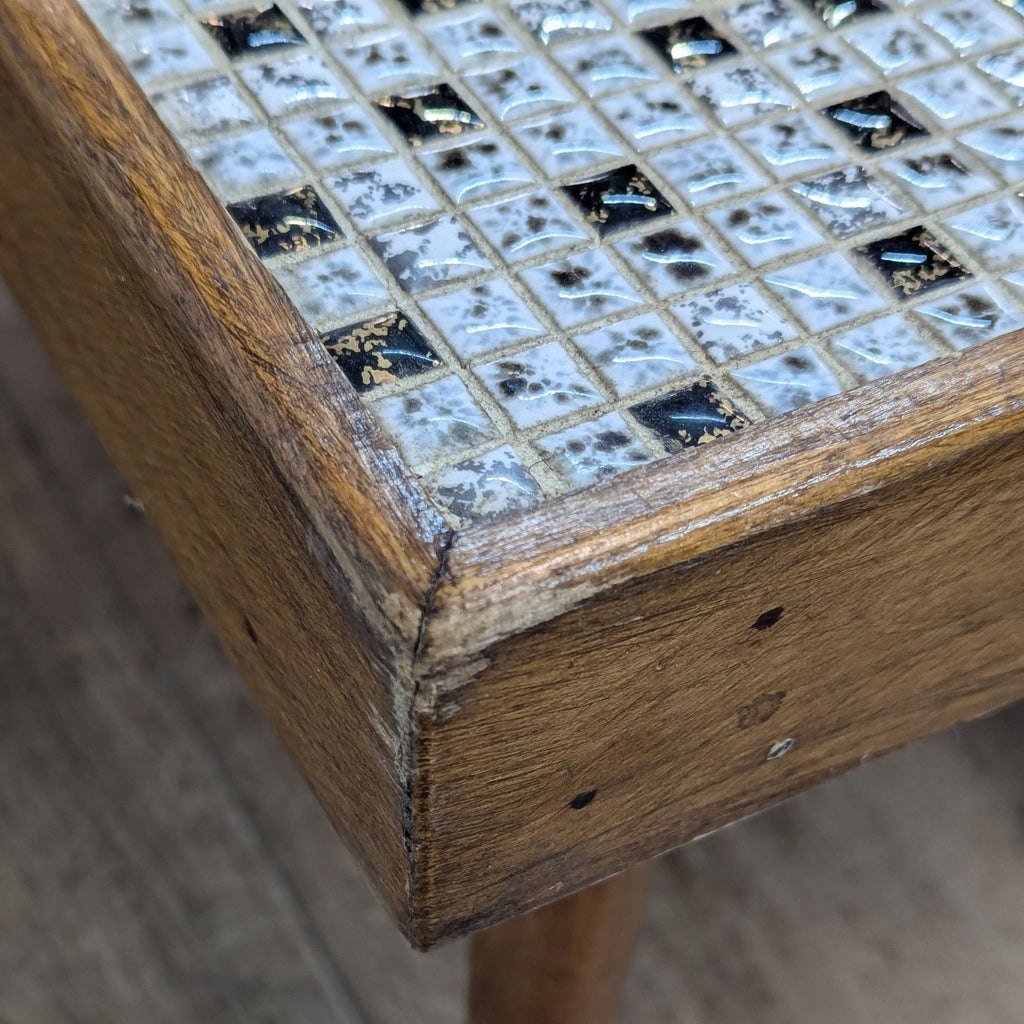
497,717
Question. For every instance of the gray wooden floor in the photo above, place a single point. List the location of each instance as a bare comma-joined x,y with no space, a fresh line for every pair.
161,861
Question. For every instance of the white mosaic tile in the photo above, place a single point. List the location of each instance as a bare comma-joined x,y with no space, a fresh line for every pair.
483,318
285,86
788,381
376,196
882,347
637,353
971,315
331,288
824,291
487,486
244,165
423,257
594,451
209,107
344,136
733,321
538,384
567,145
526,230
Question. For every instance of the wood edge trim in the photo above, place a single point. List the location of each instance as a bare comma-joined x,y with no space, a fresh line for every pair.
511,575
87,96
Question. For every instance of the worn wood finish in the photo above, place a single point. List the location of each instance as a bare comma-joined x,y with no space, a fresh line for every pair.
564,963
306,548
162,861
449,695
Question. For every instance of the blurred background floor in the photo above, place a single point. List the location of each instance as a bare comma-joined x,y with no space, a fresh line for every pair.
161,860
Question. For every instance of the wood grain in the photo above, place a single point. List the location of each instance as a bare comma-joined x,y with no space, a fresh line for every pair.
306,548
564,963
448,695
893,893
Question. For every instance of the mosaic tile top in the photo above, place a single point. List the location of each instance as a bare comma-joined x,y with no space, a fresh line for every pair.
547,241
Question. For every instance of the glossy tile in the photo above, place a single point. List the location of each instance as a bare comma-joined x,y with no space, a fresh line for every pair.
882,347
593,451
285,222
483,318
788,381
487,486
331,287
527,229
383,350
637,353
691,416
538,384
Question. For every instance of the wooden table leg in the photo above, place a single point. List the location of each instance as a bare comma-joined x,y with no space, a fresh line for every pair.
564,963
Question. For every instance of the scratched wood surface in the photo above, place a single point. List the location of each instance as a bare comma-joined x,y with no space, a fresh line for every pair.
161,859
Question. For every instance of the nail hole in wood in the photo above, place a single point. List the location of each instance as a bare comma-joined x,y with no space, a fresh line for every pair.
769,618
582,799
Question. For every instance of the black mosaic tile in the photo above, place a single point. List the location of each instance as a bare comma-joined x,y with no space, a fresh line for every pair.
285,221
838,12
379,351
253,30
425,113
914,261
876,121
689,43
691,416
619,198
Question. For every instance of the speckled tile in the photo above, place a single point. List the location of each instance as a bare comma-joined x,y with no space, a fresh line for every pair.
733,321
824,291
483,318
593,451
422,257
581,288
434,421
210,107
653,117
383,350
788,381
568,145
332,287
285,222
849,201
538,384
249,30
690,416
472,36
637,353
674,259
971,315
244,165
937,178
487,486
285,86
993,232
914,261
765,229
480,169
381,194
526,229
333,17
345,136
526,226
708,170
431,112
792,146
882,347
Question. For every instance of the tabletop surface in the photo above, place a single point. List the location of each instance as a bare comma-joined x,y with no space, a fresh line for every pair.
547,242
